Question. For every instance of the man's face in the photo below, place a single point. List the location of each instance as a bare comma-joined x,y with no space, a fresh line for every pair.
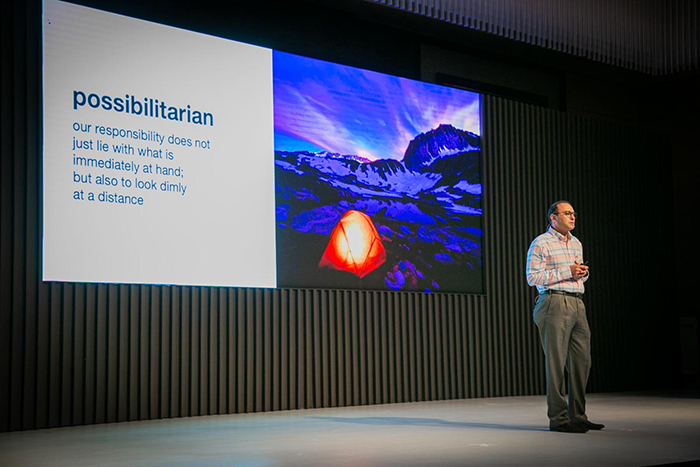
564,220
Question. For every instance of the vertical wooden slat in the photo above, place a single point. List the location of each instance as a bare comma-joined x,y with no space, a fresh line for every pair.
176,362
333,348
370,371
309,369
122,342
241,351
517,324
232,350
267,358
250,351
37,363
399,353
468,329
358,343
258,316
134,354
451,353
376,376
140,351
67,339
432,373
186,352
315,382
276,351
284,350
36,347
213,354
439,330
90,354
527,361
425,376
162,389
112,361
203,352
324,330
99,360
405,384
361,348
383,351
152,365
412,344
391,347
194,350
293,364
76,358
346,359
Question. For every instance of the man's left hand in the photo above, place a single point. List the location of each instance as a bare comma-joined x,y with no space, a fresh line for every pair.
578,270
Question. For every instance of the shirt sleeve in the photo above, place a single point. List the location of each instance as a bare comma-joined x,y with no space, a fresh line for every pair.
537,272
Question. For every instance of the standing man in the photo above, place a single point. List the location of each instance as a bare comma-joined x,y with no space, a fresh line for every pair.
555,266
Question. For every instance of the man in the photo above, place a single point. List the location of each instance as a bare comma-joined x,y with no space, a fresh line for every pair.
555,266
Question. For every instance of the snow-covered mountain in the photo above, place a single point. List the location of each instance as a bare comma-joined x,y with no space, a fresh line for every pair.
442,161
440,143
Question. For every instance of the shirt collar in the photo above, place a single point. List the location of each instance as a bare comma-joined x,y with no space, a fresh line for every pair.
558,235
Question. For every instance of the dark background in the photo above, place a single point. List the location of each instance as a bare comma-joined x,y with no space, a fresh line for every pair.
619,144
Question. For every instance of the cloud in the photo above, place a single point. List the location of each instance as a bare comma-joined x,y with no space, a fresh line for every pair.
352,111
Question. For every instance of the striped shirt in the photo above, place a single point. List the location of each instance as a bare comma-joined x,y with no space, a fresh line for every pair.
549,259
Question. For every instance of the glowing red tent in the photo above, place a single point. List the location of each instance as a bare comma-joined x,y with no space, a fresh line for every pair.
355,245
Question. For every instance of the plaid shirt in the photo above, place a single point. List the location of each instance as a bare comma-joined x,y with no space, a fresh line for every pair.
549,259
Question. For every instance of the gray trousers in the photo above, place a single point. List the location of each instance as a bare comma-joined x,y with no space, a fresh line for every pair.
566,339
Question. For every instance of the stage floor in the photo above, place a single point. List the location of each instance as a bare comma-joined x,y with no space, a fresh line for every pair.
641,430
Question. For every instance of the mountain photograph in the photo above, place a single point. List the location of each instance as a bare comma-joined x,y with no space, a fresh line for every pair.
355,212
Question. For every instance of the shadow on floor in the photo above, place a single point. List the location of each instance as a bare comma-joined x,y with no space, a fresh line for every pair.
407,421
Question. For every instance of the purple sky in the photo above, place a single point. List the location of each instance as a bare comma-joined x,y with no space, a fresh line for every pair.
324,106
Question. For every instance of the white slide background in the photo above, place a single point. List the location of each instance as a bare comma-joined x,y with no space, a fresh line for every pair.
221,232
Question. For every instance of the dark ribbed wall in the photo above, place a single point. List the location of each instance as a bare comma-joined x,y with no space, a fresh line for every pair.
643,35
84,353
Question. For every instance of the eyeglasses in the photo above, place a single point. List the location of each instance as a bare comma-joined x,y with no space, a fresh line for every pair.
569,213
